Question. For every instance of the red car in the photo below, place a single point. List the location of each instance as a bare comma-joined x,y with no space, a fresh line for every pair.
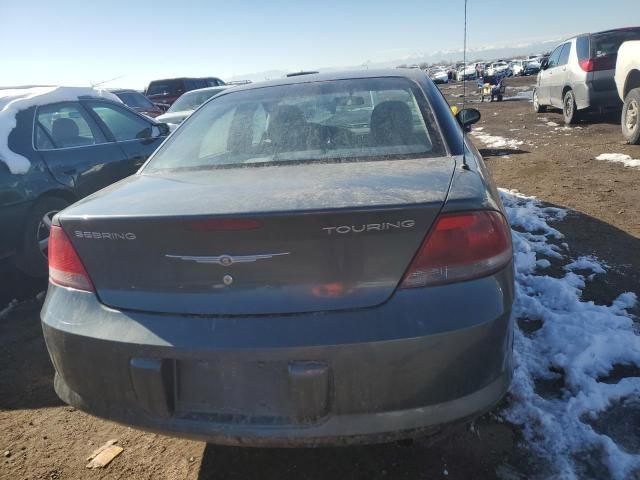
138,102
165,92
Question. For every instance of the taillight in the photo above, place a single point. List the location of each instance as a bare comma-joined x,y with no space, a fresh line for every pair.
461,246
598,64
587,64
65,267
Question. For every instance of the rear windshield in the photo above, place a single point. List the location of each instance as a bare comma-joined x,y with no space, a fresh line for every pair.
341,120
607,44
169,87
192,100
134,99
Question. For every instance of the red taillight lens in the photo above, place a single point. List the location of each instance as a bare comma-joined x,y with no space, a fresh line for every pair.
587,65
598,64
461,246
65,267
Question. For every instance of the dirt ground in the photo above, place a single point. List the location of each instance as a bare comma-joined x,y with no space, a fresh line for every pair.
41,438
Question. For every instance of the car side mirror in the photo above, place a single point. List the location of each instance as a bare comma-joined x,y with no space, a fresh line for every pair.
544,65
467,117
160,130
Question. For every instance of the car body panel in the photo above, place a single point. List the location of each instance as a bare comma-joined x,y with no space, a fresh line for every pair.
423,359
303,203
627,76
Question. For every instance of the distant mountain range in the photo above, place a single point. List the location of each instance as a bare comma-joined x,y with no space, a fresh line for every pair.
488,52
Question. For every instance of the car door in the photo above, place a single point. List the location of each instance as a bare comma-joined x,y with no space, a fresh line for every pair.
136,135
75,149
545,78
560,75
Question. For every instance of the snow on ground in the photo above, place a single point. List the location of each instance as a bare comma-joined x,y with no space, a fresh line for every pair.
521,95
626,160
576,343
494,141
12,100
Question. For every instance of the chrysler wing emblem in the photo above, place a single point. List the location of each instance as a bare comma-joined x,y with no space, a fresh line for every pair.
227,260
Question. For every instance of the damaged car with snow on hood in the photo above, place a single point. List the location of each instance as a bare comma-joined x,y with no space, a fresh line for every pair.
58,145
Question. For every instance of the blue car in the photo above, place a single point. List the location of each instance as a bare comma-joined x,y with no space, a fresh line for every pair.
59,152
316,260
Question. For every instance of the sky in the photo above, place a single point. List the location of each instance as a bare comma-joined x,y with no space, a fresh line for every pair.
76,42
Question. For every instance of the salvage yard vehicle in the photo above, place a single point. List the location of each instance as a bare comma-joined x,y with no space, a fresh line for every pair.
187,103
579,74
499,68
439,75
165,92
57,145
290,274
531,67
137,102
628,84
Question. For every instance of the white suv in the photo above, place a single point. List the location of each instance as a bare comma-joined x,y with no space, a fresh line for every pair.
628,84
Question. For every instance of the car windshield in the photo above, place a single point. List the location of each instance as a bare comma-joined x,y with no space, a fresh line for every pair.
192,100
607,44
341,120
135,99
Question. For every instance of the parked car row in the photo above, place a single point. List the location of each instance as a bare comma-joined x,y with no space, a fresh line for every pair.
459,72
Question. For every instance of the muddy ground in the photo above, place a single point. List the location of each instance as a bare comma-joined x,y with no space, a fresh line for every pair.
48,440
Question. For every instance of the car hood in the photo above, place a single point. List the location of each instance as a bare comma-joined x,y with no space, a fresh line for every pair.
174,117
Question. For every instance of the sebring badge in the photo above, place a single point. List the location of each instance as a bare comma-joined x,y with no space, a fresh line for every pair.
227,260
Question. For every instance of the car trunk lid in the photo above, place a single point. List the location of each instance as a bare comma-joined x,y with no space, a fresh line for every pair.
258,240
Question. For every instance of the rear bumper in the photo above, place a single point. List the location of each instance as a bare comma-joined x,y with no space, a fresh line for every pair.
588,97
407,367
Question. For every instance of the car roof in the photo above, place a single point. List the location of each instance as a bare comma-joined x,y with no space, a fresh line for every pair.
613,30
414,74
182,78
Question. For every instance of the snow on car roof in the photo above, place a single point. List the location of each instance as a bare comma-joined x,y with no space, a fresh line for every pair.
13,100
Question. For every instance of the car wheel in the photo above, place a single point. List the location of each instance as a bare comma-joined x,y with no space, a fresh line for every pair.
569,108
32,256
631,117
536,104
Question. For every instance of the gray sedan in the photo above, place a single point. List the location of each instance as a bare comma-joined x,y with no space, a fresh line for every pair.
313,260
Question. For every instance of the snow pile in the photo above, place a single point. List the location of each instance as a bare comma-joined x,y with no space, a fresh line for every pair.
12,100
626,160
494,141
577,343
